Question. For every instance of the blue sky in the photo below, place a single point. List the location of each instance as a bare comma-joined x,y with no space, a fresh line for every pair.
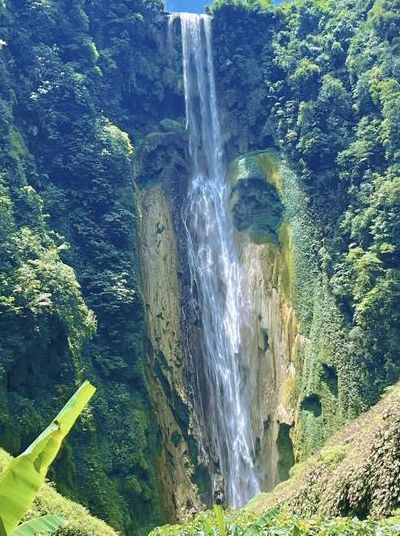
196,6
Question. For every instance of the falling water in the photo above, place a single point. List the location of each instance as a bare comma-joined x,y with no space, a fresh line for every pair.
221,366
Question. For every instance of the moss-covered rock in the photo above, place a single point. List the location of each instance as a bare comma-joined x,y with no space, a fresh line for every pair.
273,342
256,205
160,155
352,486
167,367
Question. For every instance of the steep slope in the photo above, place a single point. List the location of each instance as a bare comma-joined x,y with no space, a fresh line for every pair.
356,474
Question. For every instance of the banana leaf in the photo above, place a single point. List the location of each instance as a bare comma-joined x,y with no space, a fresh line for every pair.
219,514
23,477
40,525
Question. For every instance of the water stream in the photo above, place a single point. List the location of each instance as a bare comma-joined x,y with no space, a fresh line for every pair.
221,366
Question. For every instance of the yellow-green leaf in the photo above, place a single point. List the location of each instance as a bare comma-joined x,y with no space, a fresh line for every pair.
40,525
219,514
22,479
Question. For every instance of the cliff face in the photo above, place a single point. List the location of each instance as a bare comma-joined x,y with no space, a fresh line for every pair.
349,487
274,341
355,474
167,370
162,175
304,84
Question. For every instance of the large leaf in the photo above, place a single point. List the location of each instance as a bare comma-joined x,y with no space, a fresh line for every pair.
22,479
219,514
40,525
2,529
266,521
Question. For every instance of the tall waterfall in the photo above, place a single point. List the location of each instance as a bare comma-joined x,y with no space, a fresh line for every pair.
221,369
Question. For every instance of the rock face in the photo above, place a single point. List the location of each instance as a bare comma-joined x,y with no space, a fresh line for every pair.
167,370
256,206
161,169
274,340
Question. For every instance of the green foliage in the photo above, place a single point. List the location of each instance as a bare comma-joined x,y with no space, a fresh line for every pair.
280,523
219,515
258,5
90,79
234,521
330,100
49,502
40,525
22,478
346,488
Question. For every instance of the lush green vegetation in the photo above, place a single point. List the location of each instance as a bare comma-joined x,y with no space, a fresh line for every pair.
81,85
248,5
320,81
347,488
278,523
70,71
49,502
23,477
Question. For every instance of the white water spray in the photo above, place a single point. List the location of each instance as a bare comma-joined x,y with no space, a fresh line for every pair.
221,370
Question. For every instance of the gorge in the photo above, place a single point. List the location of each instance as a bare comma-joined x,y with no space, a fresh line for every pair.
199,214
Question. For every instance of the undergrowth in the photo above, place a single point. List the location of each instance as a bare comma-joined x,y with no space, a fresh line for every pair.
279,523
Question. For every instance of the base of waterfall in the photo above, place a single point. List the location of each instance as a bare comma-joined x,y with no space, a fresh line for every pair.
351,486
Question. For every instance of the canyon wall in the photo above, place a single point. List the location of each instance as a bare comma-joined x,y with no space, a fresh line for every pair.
273,340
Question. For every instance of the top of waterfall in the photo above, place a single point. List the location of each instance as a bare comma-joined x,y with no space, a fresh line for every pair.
188,15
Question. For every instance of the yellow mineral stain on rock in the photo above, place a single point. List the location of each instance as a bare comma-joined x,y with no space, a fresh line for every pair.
166,374
270,279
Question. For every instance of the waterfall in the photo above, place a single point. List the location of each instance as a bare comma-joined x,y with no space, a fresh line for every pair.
221,365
